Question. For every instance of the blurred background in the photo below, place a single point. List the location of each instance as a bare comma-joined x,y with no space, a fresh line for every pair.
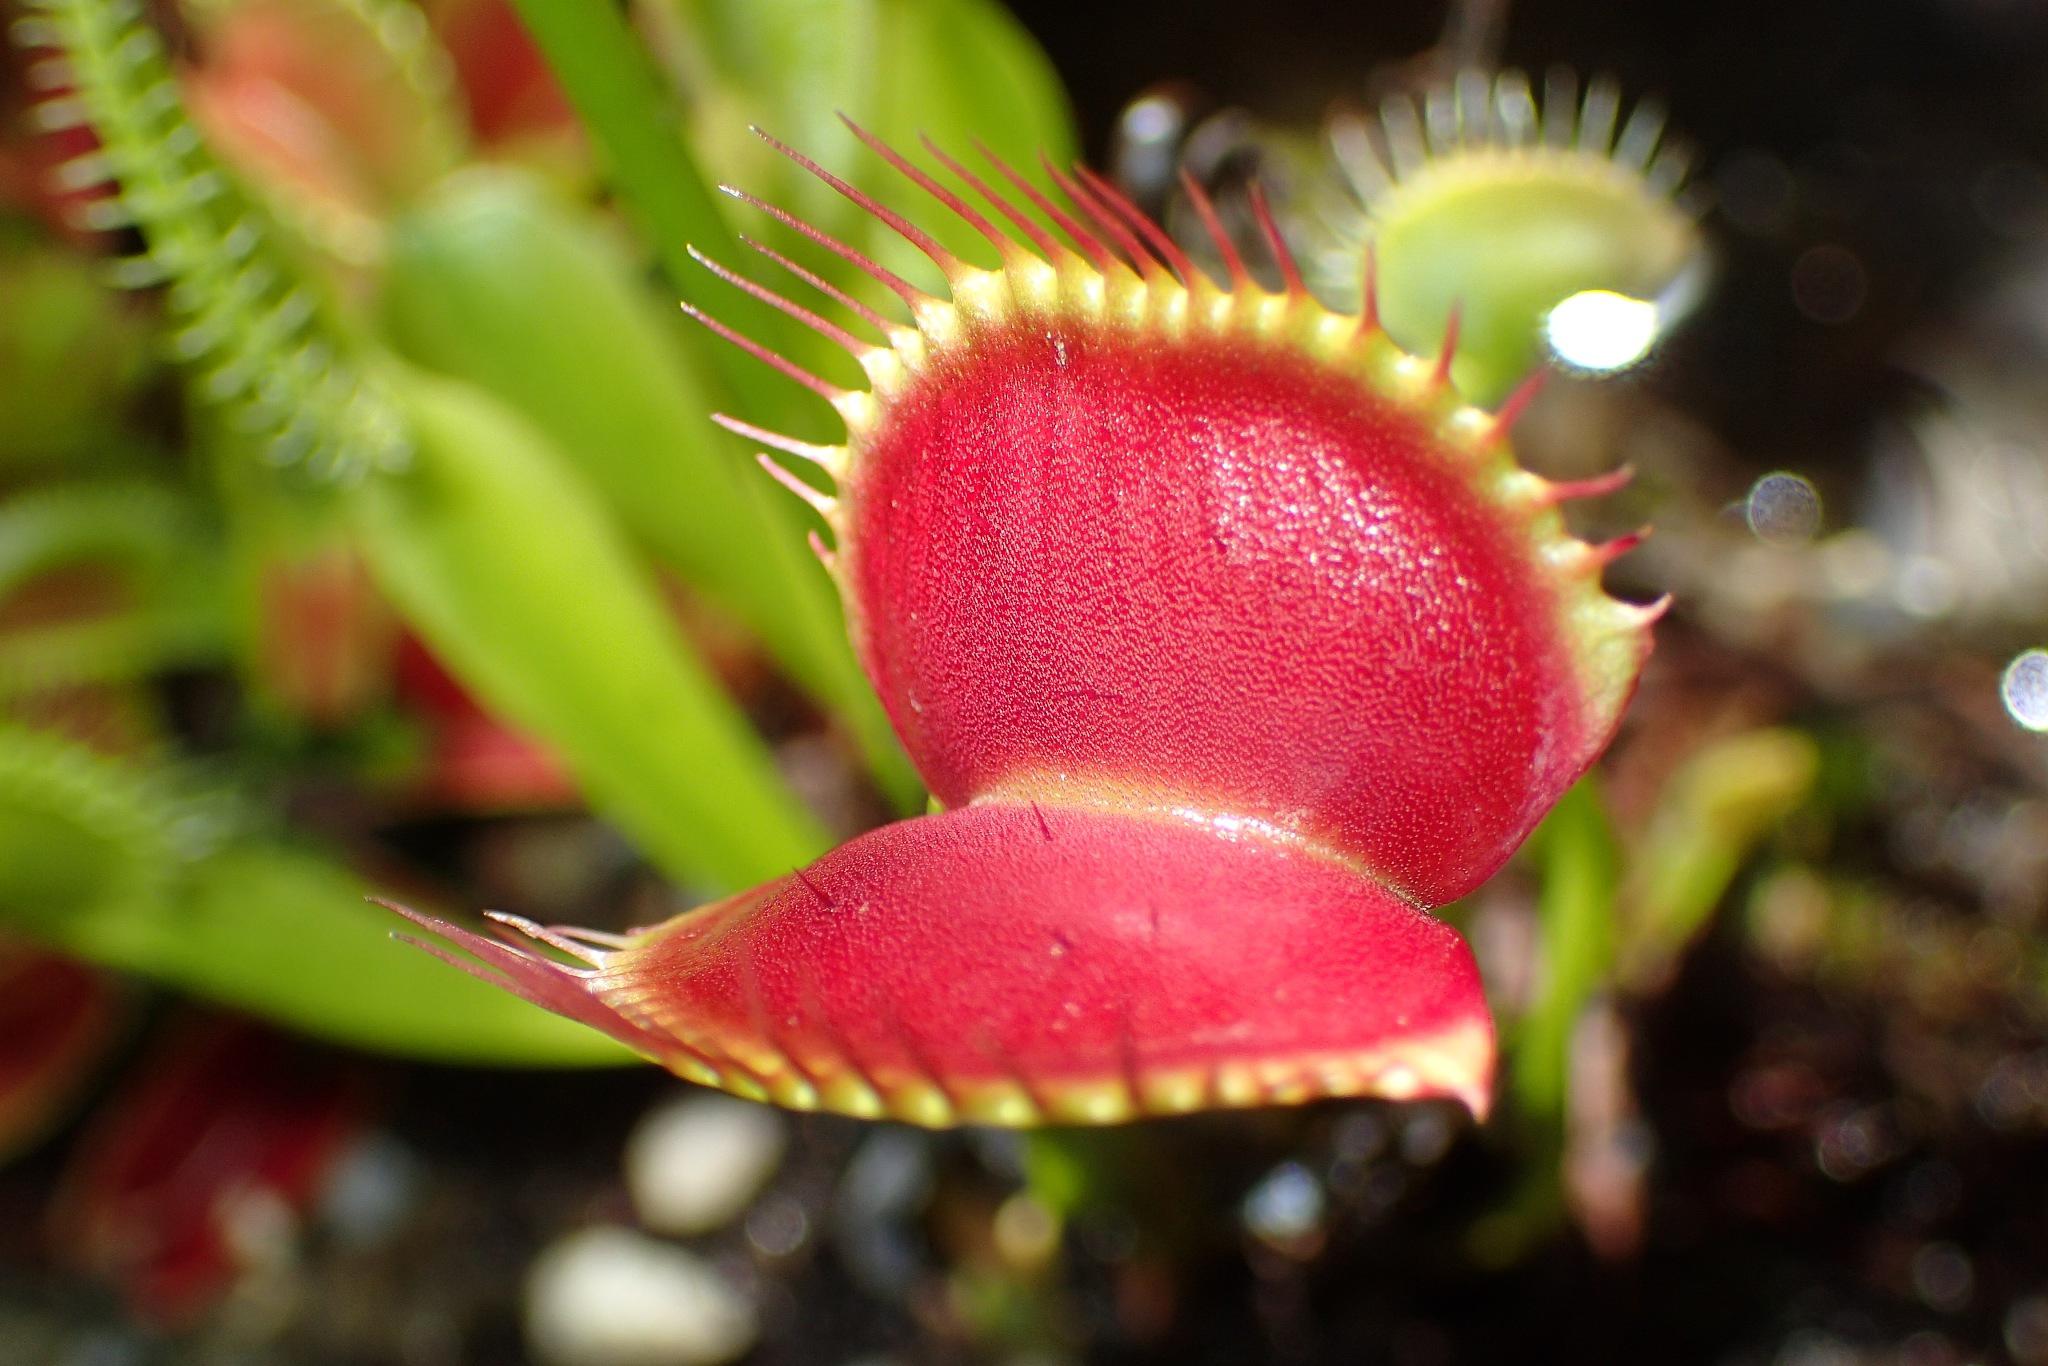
343,405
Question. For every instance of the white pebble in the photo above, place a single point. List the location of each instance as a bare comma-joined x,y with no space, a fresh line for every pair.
694,1164
610,1296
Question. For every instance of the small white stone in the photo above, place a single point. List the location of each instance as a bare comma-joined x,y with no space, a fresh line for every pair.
694,1164
610,1296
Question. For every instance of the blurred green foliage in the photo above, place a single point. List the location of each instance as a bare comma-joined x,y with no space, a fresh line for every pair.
433,391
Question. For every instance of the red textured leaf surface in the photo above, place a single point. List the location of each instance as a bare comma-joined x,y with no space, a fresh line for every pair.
1233,637
1018,964
1092,565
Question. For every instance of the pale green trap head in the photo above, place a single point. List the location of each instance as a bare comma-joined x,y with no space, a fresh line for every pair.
1547,232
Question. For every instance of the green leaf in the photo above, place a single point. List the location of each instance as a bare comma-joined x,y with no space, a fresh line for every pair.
151,540
1578,863
960,70
1576,851
634,123
498,282
284,934
1711,816
119,863
501,557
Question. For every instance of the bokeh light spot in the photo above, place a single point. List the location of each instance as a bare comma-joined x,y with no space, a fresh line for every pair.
1829,284
2025,689
1783,508
1599,331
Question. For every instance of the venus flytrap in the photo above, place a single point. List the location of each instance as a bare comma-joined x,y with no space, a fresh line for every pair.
373,115
1228,635
1230,639
256,330
148,597
1520,216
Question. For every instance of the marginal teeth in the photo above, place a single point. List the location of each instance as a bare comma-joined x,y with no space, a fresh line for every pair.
857,409
848,1094
1399,1081
1560,106
1640,135
823,504
889,371
1515,108
1008,1106
920,1102
1597,116
1407,148
1237,1085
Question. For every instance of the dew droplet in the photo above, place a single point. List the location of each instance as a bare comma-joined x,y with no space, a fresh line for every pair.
2025,689
1783,509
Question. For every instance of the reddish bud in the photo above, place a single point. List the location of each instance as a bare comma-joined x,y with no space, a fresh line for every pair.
57,1020
225,1121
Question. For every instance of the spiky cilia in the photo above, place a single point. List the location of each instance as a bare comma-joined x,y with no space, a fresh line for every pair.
109,836
1230,638
1479,199
249,320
